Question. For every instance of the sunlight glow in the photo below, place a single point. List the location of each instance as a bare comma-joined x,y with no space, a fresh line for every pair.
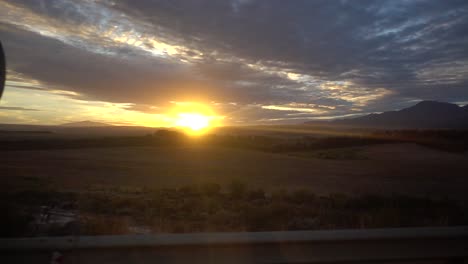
195,118
193,121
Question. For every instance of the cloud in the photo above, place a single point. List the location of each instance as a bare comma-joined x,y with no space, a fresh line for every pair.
17,108
252,59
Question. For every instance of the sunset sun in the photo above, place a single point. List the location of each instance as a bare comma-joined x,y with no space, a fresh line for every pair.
194,118
193,121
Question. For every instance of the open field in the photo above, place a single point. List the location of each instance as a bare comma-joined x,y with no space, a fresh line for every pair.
382,169
245,180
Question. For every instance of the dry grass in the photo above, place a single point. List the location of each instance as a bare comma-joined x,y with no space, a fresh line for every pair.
397,168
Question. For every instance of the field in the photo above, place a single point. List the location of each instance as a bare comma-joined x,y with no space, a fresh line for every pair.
239,180
385,168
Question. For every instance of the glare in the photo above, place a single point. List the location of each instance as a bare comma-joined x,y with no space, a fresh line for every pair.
193,121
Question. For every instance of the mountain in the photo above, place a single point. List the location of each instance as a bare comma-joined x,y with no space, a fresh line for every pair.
424,115
85,124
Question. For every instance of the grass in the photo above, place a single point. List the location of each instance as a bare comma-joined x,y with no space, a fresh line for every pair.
346,170
214,208
351,153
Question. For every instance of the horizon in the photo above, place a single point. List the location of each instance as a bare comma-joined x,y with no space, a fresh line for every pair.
229,63
317,119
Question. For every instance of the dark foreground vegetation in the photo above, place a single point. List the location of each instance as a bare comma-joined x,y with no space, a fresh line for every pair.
211,207
447,140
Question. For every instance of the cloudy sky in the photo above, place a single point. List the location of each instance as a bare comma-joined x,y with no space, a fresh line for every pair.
249,61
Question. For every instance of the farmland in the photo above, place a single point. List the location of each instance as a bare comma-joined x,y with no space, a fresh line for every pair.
167,182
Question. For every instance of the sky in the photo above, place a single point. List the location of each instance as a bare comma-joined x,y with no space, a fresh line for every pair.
133,62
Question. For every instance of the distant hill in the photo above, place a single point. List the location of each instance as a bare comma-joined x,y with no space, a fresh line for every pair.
424,115
85,124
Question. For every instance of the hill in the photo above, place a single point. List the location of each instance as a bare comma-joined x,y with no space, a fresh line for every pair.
86,123
423,115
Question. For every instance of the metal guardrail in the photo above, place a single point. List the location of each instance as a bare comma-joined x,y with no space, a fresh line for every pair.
371,245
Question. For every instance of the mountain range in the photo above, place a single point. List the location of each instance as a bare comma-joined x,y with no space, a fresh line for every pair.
86,124
423,115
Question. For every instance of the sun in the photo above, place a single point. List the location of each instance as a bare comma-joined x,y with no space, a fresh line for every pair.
195,122
194,118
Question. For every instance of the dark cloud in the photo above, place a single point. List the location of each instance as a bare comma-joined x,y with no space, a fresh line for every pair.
387,42
354,57
138,79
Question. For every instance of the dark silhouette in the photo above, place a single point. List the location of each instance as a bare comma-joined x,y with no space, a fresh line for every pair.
455,140
86,123
2,70
211,207
424,115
